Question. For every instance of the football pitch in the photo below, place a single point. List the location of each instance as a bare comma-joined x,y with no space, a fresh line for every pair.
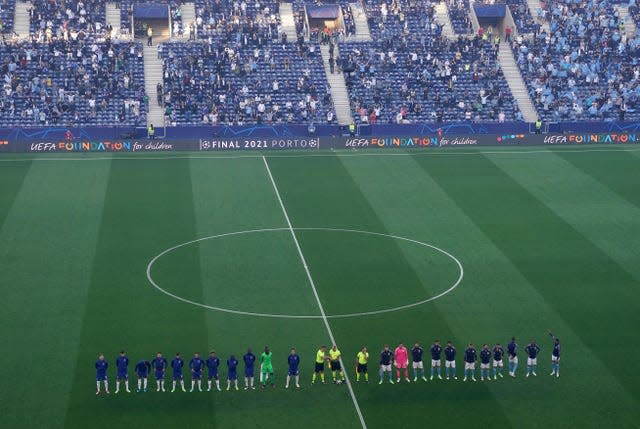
227,251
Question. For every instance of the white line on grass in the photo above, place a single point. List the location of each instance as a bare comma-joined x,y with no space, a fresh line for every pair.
305,316
345,153
315,292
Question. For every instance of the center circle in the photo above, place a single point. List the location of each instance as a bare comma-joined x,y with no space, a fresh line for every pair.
199,241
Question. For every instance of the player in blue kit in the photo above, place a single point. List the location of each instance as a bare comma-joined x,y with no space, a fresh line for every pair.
176,365
294,362
122,372
159,365
512,351
498,364
555,356
436,351
418,365
213,363
450,360
249,369
470,357
232,374
386,360
485,362
532,350
142,371
196,364
101,374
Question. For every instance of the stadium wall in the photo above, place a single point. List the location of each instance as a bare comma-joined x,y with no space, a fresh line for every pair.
238,144
302,131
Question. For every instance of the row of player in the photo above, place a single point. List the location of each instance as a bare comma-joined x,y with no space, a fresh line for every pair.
398,358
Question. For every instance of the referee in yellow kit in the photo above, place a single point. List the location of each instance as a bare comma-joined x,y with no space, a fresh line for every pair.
321,356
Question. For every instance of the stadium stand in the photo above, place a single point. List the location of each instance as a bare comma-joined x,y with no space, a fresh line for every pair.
241,69
232,20
586,69
253,81
431,80
7,8
349,23
74,82
459,15
50,19
410,73
525,23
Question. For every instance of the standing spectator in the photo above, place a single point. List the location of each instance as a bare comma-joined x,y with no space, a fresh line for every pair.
149,36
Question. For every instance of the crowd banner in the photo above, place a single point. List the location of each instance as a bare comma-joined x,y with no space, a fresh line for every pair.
293,131
236,144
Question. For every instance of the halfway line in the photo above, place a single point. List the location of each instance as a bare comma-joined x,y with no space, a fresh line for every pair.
315,291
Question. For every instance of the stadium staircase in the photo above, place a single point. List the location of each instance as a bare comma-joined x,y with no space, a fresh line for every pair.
288,23
516,83
21,20
360,21
152,77
113,17
442,17
188,16
339,92
629,24
534,7
475,24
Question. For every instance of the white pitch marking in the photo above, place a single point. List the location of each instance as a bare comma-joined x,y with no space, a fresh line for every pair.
339,153
315,293
305,316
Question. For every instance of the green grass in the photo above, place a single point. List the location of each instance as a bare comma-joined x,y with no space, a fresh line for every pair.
547,238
